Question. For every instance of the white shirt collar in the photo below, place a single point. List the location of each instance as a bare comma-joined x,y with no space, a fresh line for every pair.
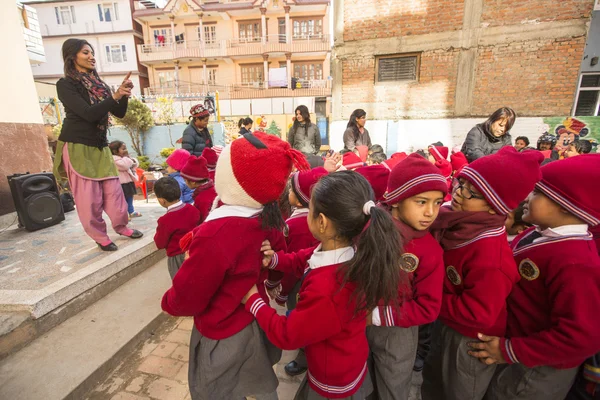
565,230
172,206
299,212
232,211
331,257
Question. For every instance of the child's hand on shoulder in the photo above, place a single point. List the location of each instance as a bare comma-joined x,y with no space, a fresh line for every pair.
267,253
489,350
252,290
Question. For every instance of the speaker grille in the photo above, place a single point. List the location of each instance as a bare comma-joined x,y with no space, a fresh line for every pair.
43,208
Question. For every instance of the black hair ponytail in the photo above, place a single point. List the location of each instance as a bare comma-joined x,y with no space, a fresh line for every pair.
375,267
271,217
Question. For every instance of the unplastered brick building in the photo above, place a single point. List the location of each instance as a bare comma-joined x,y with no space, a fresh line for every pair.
427,70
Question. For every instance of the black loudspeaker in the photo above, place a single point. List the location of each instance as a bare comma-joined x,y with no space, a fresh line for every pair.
36,199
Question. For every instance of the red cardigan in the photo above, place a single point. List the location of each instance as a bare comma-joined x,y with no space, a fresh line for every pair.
480,275
324,324
422,302
174,225
224,262
553,311
203,200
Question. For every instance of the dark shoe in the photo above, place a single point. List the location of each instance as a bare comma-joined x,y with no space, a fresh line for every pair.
419,364
293,369
109,247
136,234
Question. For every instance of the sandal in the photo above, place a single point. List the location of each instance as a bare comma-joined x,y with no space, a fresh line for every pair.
135,214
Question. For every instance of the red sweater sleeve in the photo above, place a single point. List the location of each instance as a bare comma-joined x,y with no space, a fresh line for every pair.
482,300
198,279
162,235
575,332
291,263
297,330
424,306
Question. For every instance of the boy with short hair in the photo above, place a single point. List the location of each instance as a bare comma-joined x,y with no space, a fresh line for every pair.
180,219
552,324
521,143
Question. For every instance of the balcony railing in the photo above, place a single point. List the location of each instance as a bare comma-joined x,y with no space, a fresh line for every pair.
233,47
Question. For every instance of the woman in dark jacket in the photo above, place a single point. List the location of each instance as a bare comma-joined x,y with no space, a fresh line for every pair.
488,137
356,134
304,136
82,154
245,125
196,135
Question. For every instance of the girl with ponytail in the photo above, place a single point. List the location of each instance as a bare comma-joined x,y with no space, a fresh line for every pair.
355,266
245,125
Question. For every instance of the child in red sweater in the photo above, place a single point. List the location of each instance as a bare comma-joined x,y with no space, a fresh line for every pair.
340,283
230,358
196,176
553,323
414,194
298,238
177,222
480,270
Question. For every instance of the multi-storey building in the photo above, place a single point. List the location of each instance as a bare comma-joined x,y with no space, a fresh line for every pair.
245,49
108,26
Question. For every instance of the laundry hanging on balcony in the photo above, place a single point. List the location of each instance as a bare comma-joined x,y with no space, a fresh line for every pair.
278,77
179,38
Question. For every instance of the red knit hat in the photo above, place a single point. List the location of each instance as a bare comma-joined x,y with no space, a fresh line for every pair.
458,160
506,178
178,159
195,169
352,161
198,111
412,176
303,181
377,175
253,170
569,182
391,162
211,158
438,152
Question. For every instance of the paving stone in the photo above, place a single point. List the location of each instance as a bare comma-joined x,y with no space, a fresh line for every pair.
186,324
136,384
179,336
165,367
166,389
128,396
165,349
182,353
287,390
182,375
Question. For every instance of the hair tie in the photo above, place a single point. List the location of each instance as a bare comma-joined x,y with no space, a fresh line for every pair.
367,207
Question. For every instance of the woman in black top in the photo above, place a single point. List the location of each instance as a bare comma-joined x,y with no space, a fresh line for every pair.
82,155
489,136
245,125
196,135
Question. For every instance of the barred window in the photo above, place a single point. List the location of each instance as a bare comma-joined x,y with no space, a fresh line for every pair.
396,68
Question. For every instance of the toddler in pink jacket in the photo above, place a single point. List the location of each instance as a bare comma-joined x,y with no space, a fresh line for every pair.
127,176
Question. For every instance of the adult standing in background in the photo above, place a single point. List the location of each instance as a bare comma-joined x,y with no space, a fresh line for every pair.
82,153
304,135
196,135
490,136
356,134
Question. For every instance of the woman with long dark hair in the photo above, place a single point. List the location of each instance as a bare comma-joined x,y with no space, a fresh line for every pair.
490,136
304,135
245,125
356,134
82,154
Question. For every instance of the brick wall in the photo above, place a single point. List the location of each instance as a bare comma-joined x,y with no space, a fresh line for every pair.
508,12
384,18
536,78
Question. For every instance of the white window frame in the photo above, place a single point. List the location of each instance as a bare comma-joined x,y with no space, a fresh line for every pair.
60,20
586,89
113,12
108,52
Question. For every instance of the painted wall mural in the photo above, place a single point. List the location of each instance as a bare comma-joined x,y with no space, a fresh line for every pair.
566,130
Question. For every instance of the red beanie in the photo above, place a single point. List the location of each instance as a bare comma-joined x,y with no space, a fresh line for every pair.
198,111
377,175
211,157
351,161
303,181
438,152
178,159
412,176
254,169
458,160
195,169
506,178
570,183
391,162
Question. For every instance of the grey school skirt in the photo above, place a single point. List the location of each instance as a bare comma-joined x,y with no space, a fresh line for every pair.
174,263
232,368
393,352
450,373
305,392
516,381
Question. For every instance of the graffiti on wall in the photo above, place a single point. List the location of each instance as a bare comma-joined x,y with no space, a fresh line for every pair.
566,130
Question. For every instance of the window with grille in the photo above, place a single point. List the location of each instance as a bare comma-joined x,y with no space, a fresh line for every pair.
65,15
252,74
308,71
307,28
250,31
212,76
587,103
398,68
116,53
